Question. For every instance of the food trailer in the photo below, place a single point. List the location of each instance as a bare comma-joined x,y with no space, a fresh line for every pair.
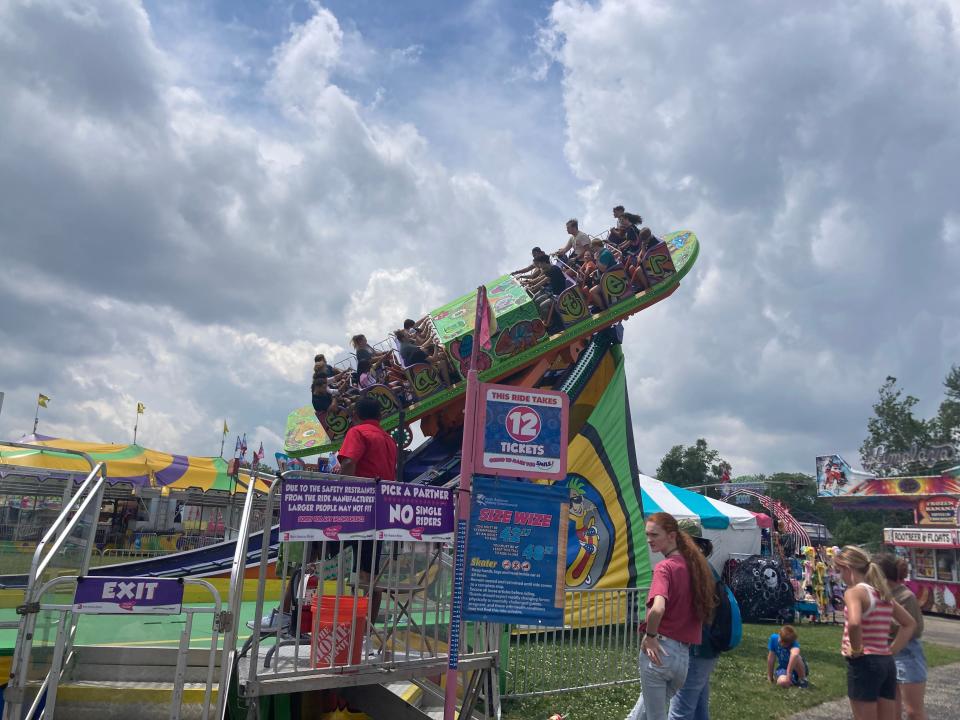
933,554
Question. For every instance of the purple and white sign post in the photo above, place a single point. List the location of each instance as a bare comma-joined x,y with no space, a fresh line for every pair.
317,510
128,596
417,513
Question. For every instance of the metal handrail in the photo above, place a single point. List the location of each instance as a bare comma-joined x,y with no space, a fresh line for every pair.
237,571
90,491
64,647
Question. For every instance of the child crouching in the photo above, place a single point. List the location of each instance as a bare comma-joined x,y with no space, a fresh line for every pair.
785,665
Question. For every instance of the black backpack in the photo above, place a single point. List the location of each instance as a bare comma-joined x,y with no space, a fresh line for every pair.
726,630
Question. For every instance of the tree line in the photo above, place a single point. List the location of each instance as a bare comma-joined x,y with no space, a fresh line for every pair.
893,430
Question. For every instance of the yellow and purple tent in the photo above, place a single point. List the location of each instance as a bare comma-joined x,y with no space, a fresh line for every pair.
128,464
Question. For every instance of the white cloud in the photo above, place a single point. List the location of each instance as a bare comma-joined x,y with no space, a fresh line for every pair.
812,169
193,209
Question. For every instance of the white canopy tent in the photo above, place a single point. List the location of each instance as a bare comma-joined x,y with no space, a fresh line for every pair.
732,530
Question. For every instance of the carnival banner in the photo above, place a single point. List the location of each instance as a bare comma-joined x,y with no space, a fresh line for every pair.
414,512
516,553
327,509
317,509
836,478
920,537
943,510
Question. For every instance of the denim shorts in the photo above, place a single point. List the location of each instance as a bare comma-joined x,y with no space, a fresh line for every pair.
911,663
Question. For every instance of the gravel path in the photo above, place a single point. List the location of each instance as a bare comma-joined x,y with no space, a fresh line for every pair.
942,699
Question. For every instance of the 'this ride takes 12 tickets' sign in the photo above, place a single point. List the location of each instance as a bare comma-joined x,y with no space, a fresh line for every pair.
517,553
524,432
128,596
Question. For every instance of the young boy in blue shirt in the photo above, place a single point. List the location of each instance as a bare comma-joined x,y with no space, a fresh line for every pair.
785,665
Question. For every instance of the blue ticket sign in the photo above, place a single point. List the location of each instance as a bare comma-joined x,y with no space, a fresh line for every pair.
516,553
522,433
128,596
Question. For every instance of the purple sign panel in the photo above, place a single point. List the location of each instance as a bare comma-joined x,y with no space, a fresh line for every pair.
322,509
126,596
414,512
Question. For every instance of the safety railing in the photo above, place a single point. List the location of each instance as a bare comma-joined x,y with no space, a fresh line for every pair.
121,554
65,549
65,618
598,646
384,615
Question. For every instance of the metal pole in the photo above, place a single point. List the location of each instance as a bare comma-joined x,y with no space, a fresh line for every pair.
36,417
463,513
400,450
136,423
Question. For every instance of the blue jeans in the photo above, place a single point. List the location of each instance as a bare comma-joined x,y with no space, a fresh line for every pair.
692,701
659,683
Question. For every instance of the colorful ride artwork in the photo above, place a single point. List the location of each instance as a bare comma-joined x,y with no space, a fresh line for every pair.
932,546
520,338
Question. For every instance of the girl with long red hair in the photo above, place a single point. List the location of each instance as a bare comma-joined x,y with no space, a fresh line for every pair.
681,600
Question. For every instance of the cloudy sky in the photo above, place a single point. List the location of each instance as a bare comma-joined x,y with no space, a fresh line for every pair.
197,196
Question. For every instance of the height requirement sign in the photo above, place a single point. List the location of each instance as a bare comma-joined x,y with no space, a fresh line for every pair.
524,432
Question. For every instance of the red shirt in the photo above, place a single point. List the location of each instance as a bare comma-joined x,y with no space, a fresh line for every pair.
672,580
372,449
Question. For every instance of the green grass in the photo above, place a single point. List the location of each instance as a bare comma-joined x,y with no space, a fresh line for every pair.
738,688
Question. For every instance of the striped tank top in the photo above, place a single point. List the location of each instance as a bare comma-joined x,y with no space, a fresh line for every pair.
875,623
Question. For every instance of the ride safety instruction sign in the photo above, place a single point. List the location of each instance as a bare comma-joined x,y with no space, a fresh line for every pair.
327,509
337,508
516,553
524,432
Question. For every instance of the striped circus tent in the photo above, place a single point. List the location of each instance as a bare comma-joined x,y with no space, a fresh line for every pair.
688,505
733,530
126,464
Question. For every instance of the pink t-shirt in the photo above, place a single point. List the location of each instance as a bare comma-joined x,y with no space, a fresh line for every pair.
672,580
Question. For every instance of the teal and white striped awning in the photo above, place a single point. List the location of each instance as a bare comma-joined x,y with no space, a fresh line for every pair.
688,505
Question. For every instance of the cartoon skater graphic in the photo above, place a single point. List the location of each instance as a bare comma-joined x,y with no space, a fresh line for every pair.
591,536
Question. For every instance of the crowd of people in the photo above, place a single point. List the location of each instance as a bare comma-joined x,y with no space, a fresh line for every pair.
580,263
583,260
886,668
335,389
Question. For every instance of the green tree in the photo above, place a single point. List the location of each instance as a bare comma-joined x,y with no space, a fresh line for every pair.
893,427
947,422
697,464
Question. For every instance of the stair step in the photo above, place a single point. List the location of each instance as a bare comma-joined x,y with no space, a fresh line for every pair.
118,692
102,672
407,691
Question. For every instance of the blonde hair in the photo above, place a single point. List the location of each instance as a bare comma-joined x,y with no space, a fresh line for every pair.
856,559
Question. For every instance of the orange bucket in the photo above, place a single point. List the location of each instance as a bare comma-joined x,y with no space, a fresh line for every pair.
334,632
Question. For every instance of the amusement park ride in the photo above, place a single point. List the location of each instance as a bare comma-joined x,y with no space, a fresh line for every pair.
579,354
523,351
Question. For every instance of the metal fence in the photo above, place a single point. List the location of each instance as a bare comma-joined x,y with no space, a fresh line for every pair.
363,628
598,646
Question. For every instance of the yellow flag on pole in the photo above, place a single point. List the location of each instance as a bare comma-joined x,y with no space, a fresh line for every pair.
140,408
225,428
42,400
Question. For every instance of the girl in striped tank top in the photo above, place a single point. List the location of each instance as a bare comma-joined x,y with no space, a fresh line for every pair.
868,610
